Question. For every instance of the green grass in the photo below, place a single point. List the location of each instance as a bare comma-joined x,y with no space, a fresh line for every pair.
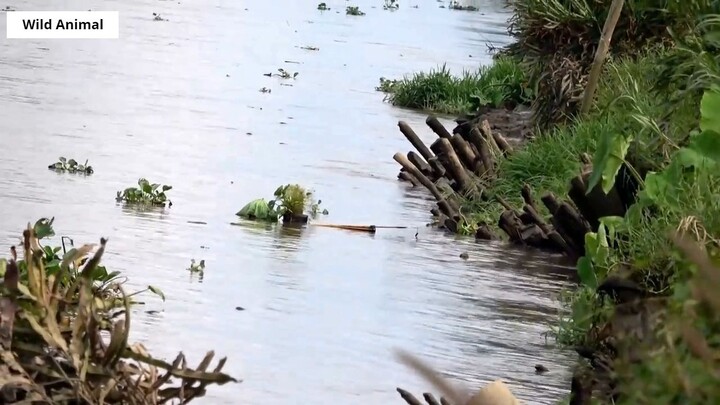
502,83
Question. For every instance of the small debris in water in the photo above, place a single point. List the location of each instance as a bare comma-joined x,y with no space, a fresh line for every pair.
152,312
248,133
267,74
283,123
265,90
227,75
464,256
310,48
540,369
158,18
204,247
197,222
239,308
292,61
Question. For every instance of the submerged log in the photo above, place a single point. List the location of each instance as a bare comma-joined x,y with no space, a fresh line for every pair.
552,235
572,226
437,127
414,140
550,202
445,207
511,225
418,161
409,178
408,397
438,168
595,204
484,233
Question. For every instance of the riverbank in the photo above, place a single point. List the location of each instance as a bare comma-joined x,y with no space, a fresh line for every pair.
649,159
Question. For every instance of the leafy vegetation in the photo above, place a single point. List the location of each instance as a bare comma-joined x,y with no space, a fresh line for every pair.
656,120
145,193
557,41
455,5
198,268
290,199
54,313
71,166
353,10
284,74
501,84
674,155
391,5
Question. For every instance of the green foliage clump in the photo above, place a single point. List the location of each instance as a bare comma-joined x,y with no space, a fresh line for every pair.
289,199
146,193
66,327
557,40
354,10
71,166
498,85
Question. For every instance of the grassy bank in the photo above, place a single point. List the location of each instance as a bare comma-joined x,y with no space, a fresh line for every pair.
657,113
501,84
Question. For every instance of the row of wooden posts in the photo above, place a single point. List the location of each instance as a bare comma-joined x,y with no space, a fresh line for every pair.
456,165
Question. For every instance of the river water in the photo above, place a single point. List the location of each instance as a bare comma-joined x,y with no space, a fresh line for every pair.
178,102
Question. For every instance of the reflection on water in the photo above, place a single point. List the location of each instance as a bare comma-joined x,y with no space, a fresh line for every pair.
178,102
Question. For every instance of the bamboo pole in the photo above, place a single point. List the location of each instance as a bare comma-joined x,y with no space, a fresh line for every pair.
600,54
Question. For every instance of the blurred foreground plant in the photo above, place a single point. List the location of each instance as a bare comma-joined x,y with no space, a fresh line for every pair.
64,336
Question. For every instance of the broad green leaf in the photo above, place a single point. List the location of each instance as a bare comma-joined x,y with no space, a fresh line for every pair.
591,243
613,224
145,186
43,228
656,188
707,144
257,209
156,291
710,111
609,157
586,272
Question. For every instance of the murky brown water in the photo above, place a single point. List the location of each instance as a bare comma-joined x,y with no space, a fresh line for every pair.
178,102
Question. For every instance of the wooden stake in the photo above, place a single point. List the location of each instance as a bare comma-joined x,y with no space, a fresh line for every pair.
437,127
600,54
414,140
